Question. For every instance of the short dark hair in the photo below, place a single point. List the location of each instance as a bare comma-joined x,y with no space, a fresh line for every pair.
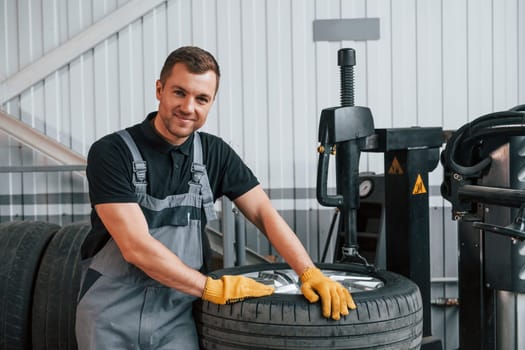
197,61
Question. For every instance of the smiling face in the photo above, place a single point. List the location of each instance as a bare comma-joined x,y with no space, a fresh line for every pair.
185,100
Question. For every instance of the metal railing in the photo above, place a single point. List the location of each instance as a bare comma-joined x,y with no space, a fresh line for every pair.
51,193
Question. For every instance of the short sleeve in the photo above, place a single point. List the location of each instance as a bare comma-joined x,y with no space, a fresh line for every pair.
109,172
238,177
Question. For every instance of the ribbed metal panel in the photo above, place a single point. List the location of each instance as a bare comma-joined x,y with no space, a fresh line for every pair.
437,63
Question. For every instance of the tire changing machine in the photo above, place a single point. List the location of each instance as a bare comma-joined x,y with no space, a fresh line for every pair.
484,179
409,155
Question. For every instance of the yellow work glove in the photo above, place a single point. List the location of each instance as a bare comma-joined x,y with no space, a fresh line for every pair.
335,299
231,289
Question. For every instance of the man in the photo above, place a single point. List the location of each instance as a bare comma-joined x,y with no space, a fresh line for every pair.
152,189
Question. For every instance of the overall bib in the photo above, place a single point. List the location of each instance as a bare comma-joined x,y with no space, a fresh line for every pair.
120,307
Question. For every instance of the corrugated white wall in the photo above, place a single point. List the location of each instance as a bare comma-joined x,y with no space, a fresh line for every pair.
437,63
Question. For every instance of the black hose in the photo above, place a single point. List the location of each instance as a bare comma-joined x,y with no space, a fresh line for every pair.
518,108
330,234
471,131
508,131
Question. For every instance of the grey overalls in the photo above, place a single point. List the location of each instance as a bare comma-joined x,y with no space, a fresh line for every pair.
120,307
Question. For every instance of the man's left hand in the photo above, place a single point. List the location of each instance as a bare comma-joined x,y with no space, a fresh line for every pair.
335,299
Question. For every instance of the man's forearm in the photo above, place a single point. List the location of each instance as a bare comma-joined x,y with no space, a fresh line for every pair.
127,226
256,207
159,263
286,242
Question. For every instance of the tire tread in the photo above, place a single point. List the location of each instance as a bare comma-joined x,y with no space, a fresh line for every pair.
384,319
22,244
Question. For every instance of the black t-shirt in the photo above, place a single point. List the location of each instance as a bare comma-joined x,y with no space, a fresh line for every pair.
109,171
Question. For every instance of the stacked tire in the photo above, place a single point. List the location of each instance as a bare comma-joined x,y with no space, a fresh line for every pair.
22,245
39,282
56,290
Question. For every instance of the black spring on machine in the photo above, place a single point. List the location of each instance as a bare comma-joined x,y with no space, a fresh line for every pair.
346,61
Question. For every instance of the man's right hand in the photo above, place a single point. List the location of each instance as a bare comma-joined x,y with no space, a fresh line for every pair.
335,299
231,289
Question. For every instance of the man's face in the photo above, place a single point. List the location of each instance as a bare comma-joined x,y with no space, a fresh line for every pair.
184,102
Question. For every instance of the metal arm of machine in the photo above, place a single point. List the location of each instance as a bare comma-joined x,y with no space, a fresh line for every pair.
344,131
515,230
498,196
492,195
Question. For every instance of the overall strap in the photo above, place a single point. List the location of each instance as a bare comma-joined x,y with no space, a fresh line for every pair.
139,165
200,182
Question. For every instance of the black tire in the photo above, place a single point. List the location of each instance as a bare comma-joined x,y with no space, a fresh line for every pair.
56,290
390,317
21,246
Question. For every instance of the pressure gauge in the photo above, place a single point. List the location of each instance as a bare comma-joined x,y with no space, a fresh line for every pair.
365,187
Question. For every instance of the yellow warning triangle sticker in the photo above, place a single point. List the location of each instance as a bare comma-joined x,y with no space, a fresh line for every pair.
419,186
395,167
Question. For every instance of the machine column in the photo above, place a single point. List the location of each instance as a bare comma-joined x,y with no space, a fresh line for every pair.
410,153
